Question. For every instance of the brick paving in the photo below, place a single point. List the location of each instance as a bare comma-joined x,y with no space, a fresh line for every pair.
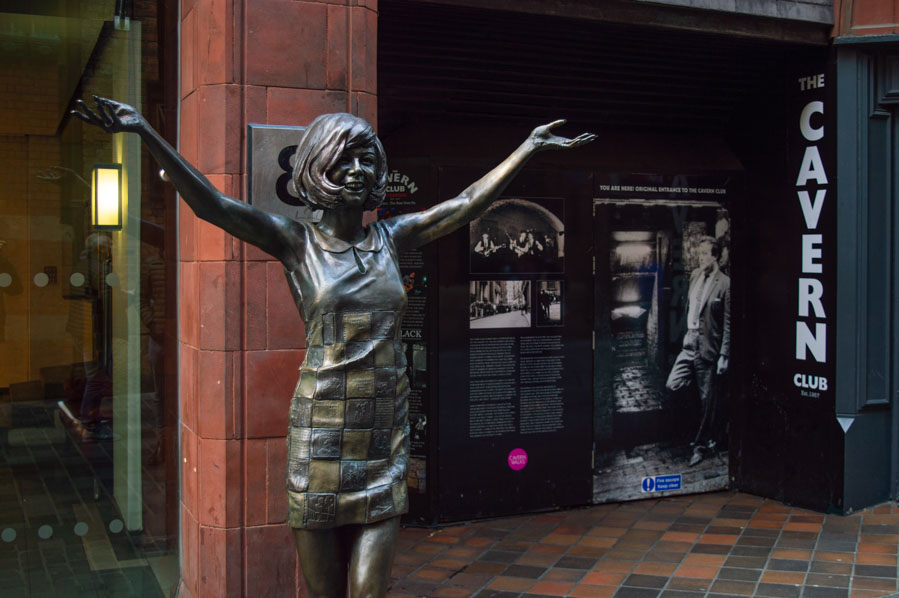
720,544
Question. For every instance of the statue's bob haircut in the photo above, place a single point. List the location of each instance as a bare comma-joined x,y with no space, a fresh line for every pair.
324,142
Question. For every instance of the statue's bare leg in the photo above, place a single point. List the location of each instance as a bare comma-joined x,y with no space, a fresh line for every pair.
366,550
323,558
373,547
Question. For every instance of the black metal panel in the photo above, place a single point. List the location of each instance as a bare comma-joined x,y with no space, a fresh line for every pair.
449,63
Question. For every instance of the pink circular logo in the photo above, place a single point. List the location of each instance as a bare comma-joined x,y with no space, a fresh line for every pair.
518,459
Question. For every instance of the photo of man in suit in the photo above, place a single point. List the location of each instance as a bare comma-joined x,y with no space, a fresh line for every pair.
706,347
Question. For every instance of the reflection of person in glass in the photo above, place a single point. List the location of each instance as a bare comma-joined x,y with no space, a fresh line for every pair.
152,314
88,324
706,347
348,440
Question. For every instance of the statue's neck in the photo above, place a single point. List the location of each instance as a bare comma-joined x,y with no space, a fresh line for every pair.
343,223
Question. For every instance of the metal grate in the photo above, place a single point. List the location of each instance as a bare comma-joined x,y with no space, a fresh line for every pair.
446,63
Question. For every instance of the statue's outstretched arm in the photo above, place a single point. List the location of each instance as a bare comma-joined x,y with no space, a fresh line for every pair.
272,233
416,229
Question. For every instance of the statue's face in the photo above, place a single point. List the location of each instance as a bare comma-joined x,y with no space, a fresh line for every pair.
355,172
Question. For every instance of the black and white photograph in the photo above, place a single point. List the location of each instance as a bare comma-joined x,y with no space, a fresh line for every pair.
549,303
499,304
661,400
518,235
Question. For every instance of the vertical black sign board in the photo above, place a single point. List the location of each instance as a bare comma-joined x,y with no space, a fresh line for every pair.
791,443
663,334
515,369
812,240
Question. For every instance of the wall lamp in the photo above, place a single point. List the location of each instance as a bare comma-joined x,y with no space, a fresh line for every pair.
106,204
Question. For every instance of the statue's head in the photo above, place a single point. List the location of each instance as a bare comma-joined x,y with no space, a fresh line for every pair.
320,150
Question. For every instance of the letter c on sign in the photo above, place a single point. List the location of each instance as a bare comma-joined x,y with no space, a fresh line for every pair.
797,380
805,121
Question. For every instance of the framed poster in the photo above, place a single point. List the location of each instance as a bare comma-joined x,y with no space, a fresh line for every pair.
663,330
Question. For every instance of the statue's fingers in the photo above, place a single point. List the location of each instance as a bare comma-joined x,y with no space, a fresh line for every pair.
110,106
555,123
581,140
86,114
83,108
103,108
109,118
82,116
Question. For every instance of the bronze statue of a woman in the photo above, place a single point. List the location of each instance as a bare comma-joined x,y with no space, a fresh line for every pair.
348,441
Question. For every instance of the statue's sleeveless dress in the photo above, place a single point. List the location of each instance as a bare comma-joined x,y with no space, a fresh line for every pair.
348,442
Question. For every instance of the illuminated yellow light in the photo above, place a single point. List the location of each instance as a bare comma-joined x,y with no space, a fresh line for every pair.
106,211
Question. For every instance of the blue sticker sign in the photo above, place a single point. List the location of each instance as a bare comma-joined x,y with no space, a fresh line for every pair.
661,483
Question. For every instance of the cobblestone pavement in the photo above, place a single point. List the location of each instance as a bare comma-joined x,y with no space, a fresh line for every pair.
720,544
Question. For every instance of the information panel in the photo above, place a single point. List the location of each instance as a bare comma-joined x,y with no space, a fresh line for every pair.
410,189
515,345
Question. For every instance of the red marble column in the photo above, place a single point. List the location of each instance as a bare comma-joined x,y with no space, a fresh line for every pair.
241,339
865,17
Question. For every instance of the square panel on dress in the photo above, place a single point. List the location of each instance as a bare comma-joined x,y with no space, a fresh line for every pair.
306,383
359,355
321,508
330,384
328,414
377,473
352,475
352,507
300,412
360,383
326,443
384,412
380,444
385,353
383,324
334,354
360,414
315,355
353,326
356,444
299,443
385,382
380,503
324,476
297,475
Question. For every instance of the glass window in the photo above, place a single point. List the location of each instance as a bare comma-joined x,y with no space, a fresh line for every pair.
88,367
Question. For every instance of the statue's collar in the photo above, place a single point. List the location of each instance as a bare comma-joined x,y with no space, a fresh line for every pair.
371,242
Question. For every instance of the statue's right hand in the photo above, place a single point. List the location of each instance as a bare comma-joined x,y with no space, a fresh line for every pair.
111,116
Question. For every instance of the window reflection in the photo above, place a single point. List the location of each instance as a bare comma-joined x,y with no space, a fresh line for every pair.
88,368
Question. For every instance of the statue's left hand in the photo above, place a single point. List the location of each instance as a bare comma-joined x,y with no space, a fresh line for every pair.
111,116
543,138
